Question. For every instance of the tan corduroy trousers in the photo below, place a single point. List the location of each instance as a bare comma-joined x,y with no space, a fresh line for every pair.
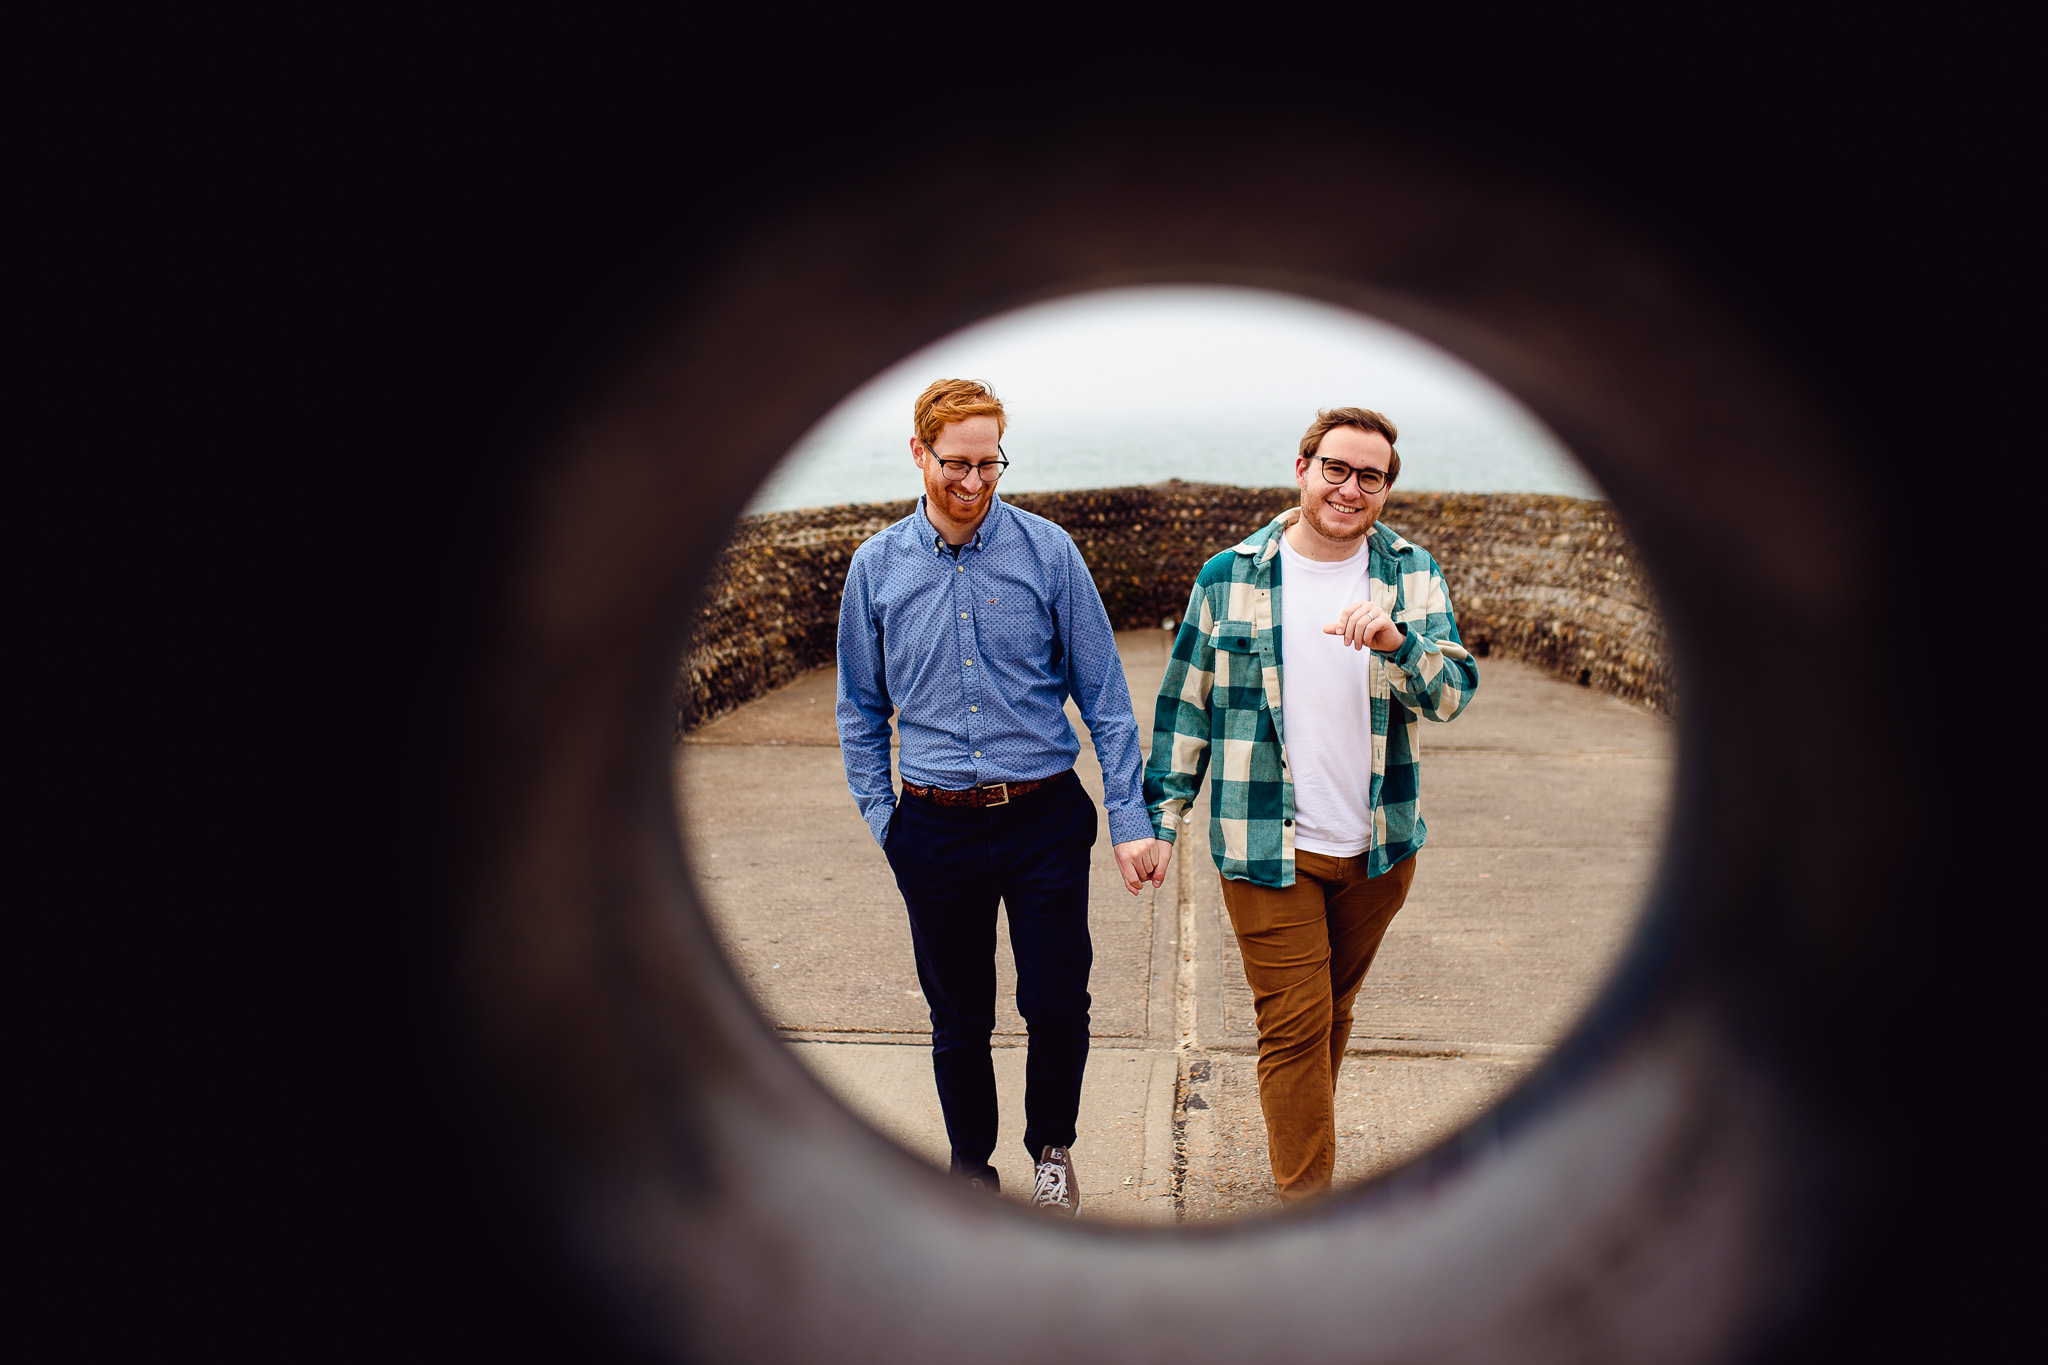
1306,950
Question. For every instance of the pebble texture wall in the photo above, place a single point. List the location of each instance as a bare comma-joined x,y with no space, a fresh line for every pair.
1545,579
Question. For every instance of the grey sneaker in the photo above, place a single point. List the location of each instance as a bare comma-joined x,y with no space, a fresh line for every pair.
1054,1188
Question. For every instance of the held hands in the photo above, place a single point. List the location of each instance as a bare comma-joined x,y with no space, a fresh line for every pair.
1141,861
1362,625
1162,854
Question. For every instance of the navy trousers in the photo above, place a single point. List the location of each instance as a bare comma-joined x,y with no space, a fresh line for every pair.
952,867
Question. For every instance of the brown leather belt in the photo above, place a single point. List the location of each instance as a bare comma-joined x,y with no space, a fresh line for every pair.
987,794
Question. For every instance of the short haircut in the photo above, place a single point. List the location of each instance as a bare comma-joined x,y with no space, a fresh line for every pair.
955,400
1365,419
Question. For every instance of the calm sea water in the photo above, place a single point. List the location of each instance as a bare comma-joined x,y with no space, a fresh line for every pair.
1481,447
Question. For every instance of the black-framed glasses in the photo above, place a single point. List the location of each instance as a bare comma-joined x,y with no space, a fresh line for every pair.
955,470
1336,472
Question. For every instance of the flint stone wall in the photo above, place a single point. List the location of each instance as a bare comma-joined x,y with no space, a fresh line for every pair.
1549,580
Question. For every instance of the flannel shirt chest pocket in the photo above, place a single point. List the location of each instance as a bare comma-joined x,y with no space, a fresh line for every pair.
1237,659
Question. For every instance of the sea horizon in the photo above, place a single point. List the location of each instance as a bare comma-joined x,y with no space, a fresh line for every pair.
1494,450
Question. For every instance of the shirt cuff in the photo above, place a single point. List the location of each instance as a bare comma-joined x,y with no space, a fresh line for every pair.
1411,648
878,821
1128,823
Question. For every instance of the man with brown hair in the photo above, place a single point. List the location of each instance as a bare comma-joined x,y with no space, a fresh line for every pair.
974,622
1314,822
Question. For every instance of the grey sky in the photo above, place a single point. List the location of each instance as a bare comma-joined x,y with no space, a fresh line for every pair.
1200,382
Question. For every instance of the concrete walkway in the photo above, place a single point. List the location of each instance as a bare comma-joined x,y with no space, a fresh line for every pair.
1545,805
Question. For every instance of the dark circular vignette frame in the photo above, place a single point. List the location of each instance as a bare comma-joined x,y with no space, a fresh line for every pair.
1658,1190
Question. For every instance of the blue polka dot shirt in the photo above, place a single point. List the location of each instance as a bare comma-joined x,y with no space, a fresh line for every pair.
977,655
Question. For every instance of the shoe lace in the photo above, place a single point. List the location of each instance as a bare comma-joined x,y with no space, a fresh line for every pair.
1050,1186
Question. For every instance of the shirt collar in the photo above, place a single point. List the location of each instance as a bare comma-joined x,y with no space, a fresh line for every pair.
929,537
1264,543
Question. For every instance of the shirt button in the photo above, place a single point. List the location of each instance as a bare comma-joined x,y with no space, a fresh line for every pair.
970,663
963,616
961,569
974,708
977,753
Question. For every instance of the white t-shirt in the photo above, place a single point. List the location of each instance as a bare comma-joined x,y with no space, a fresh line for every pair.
1326,703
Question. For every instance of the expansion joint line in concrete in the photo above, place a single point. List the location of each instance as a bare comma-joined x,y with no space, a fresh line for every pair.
1179,1184
1185,1021
1185,969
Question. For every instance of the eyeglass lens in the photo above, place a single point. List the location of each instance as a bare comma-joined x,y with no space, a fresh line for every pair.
1370,480
955,470
990,470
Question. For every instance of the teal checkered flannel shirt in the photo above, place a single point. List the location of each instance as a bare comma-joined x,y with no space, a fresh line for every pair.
1221,693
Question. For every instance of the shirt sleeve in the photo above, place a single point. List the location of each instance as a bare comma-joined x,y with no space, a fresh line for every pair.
1095,679
1180,720
1431,672
864,707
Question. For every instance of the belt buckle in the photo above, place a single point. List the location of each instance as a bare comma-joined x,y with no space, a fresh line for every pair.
991,786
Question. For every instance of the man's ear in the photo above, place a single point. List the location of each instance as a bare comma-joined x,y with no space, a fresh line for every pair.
917,452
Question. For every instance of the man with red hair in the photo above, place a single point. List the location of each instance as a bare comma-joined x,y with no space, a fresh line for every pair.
973,622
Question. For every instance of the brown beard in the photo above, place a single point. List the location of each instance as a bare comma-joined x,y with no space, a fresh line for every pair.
940,499
1317,524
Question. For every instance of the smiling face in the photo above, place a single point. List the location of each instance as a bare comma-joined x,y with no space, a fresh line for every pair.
1334,516
957,507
